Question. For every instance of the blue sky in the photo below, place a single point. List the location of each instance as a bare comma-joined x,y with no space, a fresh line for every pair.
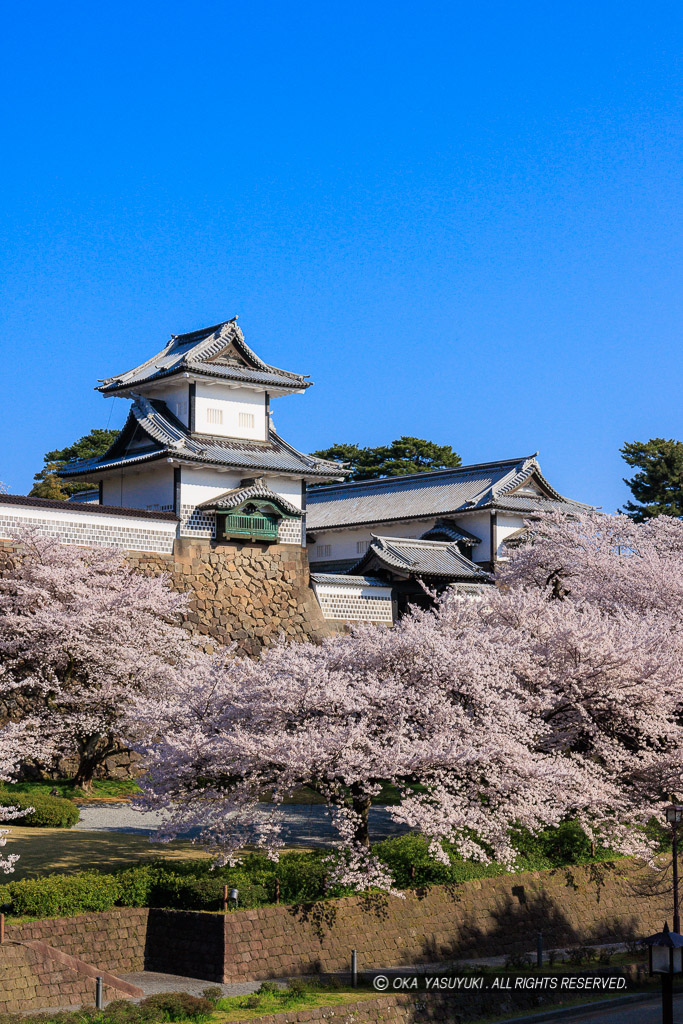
463,220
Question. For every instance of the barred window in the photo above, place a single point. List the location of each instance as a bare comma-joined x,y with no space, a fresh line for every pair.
323,550
214,416
246,419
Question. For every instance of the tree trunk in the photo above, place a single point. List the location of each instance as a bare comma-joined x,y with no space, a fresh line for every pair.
92,752
361,806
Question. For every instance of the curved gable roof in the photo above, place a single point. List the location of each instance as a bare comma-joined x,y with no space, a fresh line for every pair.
219,351
410,557
435,493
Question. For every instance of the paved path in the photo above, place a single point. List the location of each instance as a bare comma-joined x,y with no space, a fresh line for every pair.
649,1012
152,982
305,824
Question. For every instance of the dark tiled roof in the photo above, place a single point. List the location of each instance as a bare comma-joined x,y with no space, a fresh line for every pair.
333,565
436,493
85,507
197,353
348,581
411,557
168,437
453,532
238,495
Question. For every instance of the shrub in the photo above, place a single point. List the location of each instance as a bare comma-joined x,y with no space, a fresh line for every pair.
45,811
60,895
296,988
167,1006
268,988
177,1006
410,862
213,993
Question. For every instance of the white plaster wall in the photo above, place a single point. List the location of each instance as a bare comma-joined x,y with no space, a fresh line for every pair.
173,394
231,401
147,487
343,543
287,487
198,485
507,524
479,524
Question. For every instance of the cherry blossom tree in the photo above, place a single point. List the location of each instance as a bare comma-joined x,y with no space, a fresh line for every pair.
593,608
82,636
420,707
15,742
556,695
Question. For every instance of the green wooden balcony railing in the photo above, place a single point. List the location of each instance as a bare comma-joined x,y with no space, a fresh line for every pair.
255,526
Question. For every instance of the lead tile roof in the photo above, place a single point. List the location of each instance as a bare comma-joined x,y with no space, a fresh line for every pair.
348,581
197,352
238,495
167,436
435,493
419,558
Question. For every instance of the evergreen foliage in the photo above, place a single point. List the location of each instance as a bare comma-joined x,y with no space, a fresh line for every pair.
402,456
42,811
658,486
47,482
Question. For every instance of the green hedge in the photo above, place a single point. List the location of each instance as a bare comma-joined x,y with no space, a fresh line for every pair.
61,895
46,811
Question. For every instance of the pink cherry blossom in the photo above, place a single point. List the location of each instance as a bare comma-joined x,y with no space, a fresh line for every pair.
82,636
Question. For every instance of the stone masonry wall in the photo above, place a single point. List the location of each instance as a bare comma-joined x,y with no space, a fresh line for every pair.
246,593
249,593
486,917
29,981
114,941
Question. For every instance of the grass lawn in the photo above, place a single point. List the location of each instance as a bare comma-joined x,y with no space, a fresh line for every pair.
108,789
44,850
123,789
242,1007
252,1007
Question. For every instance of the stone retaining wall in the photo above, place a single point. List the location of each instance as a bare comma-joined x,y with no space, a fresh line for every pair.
250,594
29,981
114,941
247,593
487,917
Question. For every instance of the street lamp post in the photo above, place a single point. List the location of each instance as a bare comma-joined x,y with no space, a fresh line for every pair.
674,815
666,959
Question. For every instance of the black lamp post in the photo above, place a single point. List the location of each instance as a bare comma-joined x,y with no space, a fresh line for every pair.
674,815
666,959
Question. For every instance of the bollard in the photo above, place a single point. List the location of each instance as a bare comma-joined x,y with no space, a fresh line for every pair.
354,968
2,929
99,993
539,949
225,899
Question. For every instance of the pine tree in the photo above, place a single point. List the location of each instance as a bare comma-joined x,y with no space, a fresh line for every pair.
48,483
658,487
402,456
